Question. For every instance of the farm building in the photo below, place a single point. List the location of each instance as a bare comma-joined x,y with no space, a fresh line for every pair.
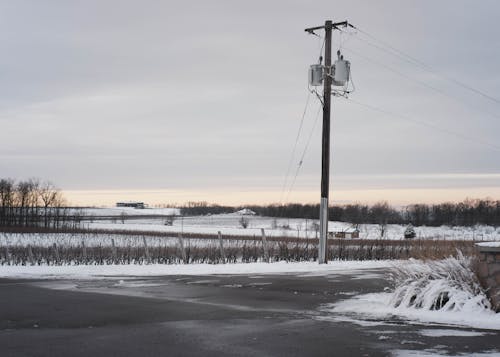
138,205
246,212
351,232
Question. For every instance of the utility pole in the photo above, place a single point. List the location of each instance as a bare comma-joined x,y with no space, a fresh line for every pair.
325,142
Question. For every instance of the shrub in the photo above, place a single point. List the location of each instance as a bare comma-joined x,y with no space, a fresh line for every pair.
447,285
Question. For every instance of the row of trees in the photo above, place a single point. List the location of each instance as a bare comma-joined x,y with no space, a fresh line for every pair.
467,213
204,208
33,203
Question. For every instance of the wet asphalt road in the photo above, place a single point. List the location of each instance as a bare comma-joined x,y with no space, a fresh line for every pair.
264,315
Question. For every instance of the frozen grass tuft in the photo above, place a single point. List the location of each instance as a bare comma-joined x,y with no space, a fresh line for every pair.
445,285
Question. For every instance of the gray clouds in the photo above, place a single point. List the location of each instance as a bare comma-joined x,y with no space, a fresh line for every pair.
128,94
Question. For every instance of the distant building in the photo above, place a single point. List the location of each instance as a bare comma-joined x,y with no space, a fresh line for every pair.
246,212
351,232
138,205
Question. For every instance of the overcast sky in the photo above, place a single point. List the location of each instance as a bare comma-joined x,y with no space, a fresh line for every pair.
185,100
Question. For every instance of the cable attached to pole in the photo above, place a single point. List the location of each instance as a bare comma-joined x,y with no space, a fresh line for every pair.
301,161
412,60
295,147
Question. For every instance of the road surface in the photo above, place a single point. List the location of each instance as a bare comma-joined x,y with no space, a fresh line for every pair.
256,315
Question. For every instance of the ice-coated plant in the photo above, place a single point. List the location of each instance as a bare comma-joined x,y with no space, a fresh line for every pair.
445,285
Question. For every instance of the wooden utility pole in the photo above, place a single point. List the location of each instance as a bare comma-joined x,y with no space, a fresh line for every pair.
325,148
325,143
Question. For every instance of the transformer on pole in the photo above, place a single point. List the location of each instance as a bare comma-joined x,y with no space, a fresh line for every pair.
327,75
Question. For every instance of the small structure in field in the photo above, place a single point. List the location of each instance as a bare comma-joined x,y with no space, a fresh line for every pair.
246,212
132,204
351,232
410,232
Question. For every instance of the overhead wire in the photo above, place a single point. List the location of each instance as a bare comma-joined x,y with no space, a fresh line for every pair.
410,59
420,64
301,161
295,146
421,83
424,123
321,45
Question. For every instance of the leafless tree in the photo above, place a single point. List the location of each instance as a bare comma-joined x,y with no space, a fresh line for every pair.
244,222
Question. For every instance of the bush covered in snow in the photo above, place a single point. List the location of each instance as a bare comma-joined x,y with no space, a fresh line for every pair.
445,285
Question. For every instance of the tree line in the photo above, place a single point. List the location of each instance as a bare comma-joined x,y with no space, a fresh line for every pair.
33,203
469,212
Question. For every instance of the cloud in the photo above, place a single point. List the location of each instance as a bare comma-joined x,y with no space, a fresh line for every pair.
200,95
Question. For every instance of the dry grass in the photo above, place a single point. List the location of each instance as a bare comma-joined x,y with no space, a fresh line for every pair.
236,249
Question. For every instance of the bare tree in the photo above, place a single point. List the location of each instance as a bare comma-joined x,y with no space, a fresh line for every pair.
6,200
49,195
244,222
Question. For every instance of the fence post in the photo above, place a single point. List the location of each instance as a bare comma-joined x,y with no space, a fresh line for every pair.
30,255
7,255
146,250
221,245
56,252
183,249
265,246
84,251
113,250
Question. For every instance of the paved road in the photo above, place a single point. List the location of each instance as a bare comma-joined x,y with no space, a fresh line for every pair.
206,316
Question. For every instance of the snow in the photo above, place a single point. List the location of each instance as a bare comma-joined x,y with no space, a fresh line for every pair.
489,244
113,271
438,353
437,292
444,333
377,306
118,211
247,212
444,285
93,240
229,224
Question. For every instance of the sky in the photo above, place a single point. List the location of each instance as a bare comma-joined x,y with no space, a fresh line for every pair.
169,102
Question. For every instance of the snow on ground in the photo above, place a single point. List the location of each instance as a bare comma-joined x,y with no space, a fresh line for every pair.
490,244
116,271
438,292
443,333
440,352
229,224
118,211
377,306
97,240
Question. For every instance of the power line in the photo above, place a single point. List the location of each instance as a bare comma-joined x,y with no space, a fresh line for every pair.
301,161
408,58
436,89
424,123
321,45
295,146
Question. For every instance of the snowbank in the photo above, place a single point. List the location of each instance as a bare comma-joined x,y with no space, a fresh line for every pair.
378,307
489,244
103,271
443,292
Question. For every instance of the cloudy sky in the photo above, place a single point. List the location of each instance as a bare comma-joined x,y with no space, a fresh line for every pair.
171,101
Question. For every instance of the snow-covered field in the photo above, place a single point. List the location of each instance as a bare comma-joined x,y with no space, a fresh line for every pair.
229,224
119,211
